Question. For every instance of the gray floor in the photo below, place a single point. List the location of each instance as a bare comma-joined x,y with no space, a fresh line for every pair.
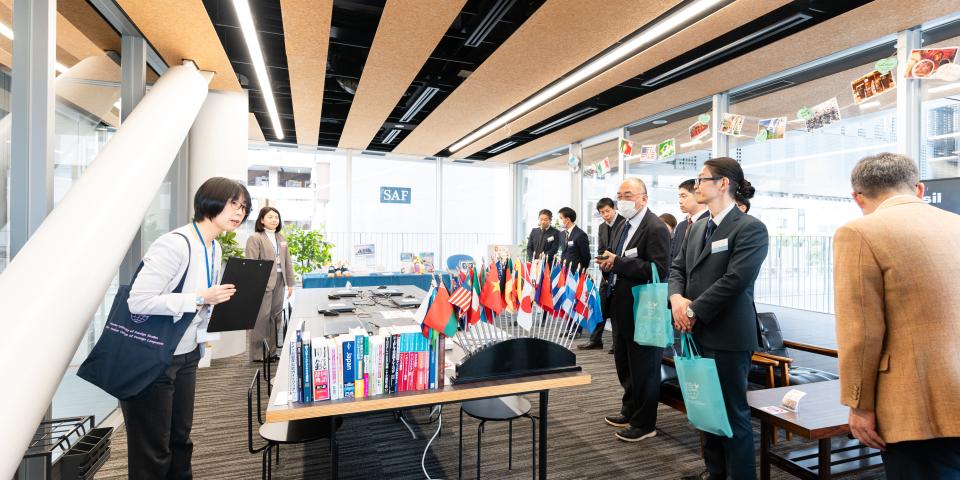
581,445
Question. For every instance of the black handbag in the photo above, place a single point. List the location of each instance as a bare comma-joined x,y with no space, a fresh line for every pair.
134,350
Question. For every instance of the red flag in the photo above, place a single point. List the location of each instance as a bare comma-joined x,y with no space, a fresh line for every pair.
441,310
461,298
490,296
546,292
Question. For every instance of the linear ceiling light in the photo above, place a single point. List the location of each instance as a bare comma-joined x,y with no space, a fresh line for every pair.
633,45
501,147
259,66
490,20
755,36
419,103
563,120
390,136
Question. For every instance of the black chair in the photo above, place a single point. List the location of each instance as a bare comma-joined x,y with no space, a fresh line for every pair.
280,433
267,358
775,348
500,409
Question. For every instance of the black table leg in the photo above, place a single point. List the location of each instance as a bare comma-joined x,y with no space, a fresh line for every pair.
765,437
823,465
544,394
334,448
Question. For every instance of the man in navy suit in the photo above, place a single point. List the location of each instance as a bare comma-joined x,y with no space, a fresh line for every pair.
711,294
692,210
576,245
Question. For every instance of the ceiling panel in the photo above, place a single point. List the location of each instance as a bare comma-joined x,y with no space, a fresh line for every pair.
253,129
725,20
407,34
560,36
183,32
853,28
306,33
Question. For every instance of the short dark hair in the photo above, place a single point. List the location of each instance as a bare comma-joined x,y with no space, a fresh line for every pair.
669,219
606,202
688,185
569,213
740,188
258,226
882,173
546,212
215,194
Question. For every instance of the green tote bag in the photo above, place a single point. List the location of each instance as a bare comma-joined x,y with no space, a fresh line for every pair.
652,324
700,386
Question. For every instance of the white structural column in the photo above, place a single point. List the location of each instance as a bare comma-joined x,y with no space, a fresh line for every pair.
64,294
133,86
576,183
32,104
908,98
218,148
721,142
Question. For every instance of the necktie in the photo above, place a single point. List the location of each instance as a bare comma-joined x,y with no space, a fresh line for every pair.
686,229
622,240
710,228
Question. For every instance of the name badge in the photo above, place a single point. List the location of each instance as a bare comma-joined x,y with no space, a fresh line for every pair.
570,243
719,246
549,239
631,253
283,244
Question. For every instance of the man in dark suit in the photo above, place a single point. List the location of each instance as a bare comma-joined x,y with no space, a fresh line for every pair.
543,239
611,222
711,294
641,239
693,211
576,245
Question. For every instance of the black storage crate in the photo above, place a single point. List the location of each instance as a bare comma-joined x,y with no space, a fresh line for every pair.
66,449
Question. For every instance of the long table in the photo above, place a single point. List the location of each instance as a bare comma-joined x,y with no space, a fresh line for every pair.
367,316
313,280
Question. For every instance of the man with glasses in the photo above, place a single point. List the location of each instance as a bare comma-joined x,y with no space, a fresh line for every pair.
639,241
694,211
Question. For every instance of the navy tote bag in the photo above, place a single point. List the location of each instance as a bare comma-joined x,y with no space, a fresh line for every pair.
134,350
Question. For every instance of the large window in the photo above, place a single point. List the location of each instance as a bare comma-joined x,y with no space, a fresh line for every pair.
940,112
801,168
5,139
476,208
545,184
598,184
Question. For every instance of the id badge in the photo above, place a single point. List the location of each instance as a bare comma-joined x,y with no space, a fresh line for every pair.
719,246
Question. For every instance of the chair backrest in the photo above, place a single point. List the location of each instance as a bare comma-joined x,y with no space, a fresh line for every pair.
453,261
266,363
770,334
254,384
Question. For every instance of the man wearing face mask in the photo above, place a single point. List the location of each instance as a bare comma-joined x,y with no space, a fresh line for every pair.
611,222
641,240
544,239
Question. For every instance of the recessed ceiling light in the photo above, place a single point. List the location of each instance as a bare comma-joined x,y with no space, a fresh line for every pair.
659,122
259,66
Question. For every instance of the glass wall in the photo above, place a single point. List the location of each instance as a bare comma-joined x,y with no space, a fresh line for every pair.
940,112
544,184
5,78
476,208
598,183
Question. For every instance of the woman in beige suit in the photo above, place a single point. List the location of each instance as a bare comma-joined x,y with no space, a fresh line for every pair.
269,244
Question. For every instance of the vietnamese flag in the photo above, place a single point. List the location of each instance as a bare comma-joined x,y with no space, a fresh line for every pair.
490,297
440,316
510,290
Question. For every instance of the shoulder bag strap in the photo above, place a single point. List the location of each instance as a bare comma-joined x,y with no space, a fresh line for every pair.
179,288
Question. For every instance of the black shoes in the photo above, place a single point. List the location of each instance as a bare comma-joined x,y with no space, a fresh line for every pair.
590,346
634,434
610,351
617,420
704,475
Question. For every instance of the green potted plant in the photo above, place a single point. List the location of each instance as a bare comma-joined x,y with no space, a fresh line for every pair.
230,246
308,248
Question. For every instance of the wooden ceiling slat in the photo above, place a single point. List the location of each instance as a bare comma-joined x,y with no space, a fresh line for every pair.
407,34
557,38
253,130
183,31
722,22
853,28
306,35
72,44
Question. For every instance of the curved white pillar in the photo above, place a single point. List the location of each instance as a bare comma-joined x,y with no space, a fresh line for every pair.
51,289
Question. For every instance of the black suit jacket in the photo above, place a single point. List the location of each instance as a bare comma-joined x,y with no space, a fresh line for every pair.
576,248
678,233
721,284
652,241
541,241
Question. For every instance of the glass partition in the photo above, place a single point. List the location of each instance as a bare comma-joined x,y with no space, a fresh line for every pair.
598,183
545,184
476,209
940,111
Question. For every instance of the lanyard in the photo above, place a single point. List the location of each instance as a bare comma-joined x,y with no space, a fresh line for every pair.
207,262
276,244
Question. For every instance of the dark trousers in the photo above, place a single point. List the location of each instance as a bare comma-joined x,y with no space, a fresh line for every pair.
158,423
934,459
732,458
596,337
638,369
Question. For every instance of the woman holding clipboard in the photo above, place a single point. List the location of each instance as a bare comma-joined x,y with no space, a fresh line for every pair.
269,244
179,279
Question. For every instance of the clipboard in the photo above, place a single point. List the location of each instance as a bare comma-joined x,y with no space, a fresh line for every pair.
240,312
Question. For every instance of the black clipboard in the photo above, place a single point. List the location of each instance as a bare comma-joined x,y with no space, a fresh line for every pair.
240,312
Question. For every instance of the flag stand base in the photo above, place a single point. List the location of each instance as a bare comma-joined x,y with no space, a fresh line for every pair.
516,357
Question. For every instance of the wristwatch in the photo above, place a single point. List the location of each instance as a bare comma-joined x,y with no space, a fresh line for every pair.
690,313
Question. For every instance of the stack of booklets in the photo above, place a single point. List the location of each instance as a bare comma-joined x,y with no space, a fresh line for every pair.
357,364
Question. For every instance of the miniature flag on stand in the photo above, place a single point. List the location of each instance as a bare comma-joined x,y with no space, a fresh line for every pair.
544,295
558,278
595,316
490,296
525,308
476,313
461,299
626,147
509,289
421,312
440,316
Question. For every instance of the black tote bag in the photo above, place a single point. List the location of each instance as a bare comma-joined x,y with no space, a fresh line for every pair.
134,350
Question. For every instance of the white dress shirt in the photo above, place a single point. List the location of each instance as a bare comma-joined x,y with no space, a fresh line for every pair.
163,266
272,236
633,223
723,214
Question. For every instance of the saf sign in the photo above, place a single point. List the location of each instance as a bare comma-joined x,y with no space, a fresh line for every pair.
394,195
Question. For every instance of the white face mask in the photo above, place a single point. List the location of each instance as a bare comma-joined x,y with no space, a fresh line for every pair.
626,208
